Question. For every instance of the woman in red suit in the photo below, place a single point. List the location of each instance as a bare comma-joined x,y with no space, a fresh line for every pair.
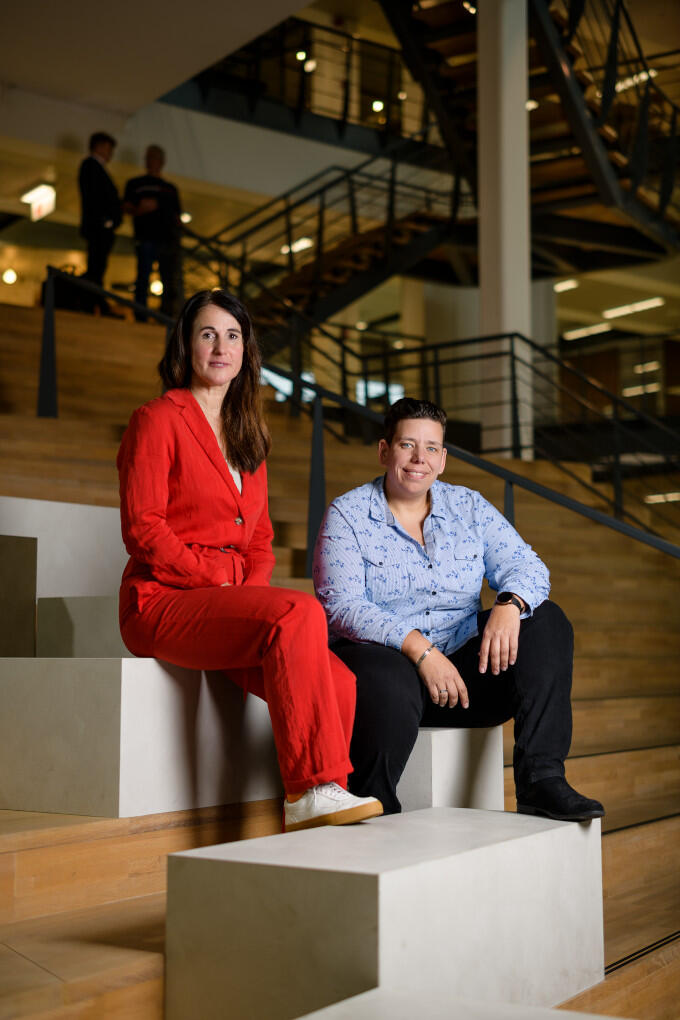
193,496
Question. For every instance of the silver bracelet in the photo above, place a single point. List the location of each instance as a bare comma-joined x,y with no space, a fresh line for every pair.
425,653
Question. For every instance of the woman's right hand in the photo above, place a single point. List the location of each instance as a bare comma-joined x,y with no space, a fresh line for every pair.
443,681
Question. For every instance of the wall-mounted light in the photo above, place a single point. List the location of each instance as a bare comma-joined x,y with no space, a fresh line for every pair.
530,105
301,55
563,285
9,277
361,325
186,217
156,287
576,334
309,66
42,200
401,96
377,106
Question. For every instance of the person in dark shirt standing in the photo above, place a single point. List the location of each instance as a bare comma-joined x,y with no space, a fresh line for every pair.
155,208
101,212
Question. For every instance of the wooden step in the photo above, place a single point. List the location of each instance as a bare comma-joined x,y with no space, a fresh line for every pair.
634,786
646,989
616,724
609,676
641,888
95,963
54,863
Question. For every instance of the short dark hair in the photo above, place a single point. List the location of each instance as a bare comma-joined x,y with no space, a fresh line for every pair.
100,138
410,407
245,431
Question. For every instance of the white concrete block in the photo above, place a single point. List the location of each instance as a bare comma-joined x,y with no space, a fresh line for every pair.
79,627
422,1002
123,737
500,907
80,548
454,768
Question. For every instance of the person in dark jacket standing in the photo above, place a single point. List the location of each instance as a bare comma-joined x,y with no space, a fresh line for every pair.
101,211
155,208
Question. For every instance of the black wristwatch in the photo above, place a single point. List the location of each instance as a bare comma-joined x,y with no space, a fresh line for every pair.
505,598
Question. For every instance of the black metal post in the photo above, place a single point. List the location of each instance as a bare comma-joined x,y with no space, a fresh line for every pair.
617,481
509,503
296,366
386,376
516,439
437,380
317,484
389,231
289,236
47,384
352,205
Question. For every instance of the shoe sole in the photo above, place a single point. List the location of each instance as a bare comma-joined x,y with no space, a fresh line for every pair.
346,817
582,816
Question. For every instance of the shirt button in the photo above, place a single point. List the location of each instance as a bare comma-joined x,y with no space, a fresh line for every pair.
426,632
380,563
429,566
427,612
434,593
238,520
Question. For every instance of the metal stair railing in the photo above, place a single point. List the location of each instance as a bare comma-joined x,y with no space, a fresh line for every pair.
512,480
325,71
547,408
302,227
635,166
48,407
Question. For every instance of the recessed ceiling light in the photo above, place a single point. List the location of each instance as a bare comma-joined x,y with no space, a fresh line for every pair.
301,244
9,276
638,391
377,106
636,306
186,217
301,55
646,366
530,105
156,287
663,497
361,325
563,285
576,334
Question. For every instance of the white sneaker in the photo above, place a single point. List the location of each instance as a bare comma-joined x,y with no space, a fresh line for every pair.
328,804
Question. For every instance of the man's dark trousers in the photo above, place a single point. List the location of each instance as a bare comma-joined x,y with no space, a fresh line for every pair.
393,702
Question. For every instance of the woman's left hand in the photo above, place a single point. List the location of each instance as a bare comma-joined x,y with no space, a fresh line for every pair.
499,640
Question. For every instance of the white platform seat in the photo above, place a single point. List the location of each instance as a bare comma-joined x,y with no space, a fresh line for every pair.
80,549
496,907
447,768
123,737
392,1004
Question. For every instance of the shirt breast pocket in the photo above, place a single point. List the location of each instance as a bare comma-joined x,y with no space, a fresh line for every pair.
382,577
468,562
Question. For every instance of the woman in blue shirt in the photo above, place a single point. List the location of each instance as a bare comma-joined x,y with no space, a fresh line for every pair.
399,565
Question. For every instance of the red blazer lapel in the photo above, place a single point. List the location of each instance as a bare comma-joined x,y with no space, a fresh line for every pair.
198,425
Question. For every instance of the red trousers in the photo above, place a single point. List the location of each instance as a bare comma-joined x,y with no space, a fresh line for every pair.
273,642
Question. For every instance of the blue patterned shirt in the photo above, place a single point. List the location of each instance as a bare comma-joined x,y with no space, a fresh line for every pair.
377,583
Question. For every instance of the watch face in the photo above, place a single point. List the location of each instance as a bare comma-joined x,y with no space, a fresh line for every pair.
504,597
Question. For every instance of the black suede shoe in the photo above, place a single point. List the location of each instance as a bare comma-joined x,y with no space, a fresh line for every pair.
555,798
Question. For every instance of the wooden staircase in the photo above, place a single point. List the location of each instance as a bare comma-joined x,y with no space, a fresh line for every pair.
82,899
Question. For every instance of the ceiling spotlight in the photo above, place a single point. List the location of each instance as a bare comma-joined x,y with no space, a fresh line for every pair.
401,96
398,345
361,325
9,277
563,285
301,55
156,287
530,105
469,7
663,497
309,66
186,217
377,106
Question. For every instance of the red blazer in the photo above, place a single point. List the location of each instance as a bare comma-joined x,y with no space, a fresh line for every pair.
184,522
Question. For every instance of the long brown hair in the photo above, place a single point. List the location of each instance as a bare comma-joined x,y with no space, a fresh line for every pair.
243,424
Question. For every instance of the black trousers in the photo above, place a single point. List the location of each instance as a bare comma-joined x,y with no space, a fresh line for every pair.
99,245
393,702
